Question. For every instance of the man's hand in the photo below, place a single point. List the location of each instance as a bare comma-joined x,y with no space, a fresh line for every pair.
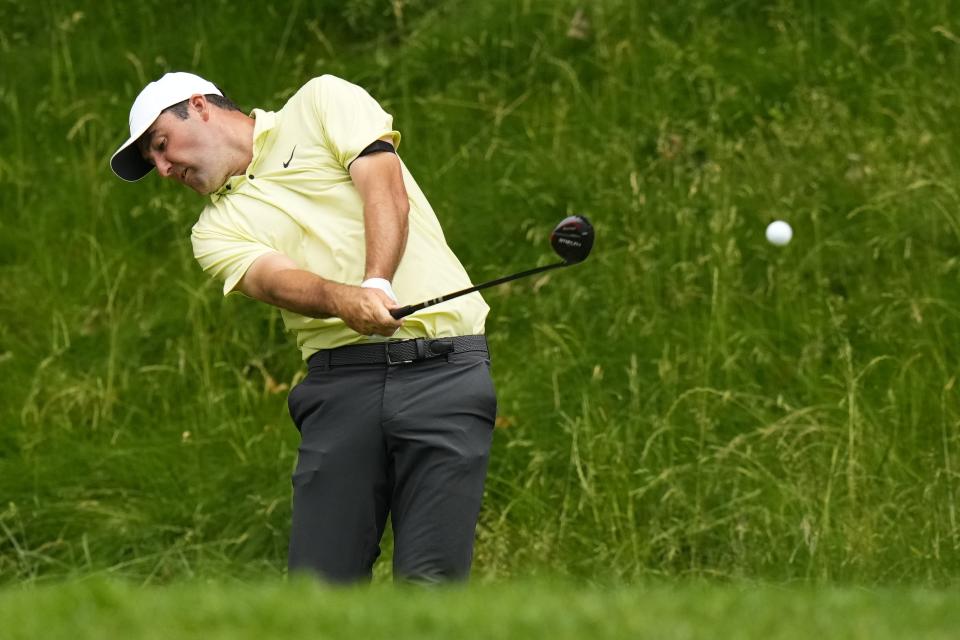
367,311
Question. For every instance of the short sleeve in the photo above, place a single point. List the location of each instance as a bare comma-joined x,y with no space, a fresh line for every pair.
225,255
350,117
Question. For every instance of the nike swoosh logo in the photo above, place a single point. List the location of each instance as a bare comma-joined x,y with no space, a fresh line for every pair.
287,163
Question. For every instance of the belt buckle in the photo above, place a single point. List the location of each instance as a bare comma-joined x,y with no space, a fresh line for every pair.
386,349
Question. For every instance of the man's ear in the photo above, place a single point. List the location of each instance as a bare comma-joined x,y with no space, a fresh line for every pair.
198,103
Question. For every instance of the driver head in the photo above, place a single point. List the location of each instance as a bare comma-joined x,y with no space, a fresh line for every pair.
572,239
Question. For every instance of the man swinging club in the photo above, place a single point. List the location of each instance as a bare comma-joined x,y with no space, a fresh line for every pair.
312,211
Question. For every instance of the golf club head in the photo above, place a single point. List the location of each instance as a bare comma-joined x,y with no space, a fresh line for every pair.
572,239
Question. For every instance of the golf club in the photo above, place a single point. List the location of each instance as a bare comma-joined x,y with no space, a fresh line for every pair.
572,240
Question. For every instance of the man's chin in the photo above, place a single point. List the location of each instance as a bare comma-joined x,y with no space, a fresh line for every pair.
209,188
203,189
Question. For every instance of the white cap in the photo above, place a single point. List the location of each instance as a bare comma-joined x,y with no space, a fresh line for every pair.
172,88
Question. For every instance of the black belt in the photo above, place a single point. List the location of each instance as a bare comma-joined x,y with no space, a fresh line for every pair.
396,351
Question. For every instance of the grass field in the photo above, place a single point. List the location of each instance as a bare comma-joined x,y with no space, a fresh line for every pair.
97,609
690,403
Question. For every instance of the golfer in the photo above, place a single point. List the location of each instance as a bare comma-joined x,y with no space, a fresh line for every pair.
311,210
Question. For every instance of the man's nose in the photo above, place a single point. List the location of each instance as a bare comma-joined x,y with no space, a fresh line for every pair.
164,167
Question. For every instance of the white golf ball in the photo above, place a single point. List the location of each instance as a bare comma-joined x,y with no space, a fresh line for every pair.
779,233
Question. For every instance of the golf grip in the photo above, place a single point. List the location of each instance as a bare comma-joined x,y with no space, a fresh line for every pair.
403,312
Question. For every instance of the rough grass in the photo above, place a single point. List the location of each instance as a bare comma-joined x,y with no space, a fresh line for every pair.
691,401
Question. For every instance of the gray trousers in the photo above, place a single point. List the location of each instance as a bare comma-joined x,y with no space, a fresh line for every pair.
411,440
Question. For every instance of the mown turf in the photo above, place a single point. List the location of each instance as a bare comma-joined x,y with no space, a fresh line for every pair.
98,609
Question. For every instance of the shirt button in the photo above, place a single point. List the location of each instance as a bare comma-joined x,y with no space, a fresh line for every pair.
250,176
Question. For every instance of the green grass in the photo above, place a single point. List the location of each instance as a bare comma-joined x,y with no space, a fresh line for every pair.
101,609
690,402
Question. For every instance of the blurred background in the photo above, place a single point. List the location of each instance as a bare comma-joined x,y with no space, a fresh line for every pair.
691,401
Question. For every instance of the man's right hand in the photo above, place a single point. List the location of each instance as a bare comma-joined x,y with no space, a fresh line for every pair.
367,311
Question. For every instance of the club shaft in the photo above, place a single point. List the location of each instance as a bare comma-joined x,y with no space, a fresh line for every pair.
402,312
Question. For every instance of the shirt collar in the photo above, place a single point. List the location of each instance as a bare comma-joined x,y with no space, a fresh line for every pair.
264,122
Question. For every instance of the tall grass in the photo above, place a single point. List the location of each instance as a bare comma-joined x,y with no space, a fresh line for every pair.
691,401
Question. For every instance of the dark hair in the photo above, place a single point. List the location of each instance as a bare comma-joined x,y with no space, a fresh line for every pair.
182,111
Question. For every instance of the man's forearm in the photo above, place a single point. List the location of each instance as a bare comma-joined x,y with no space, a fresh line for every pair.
385,231
274,280
305,293
379,180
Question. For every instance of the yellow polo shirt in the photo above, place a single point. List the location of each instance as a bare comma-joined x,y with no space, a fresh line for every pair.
296,198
